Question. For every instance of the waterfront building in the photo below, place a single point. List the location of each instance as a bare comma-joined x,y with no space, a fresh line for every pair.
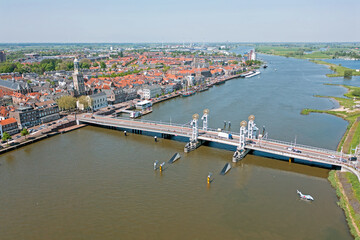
78,79
48,111
167,89
144,105
26,116
115,95
151,91
2,56
95,101
10,126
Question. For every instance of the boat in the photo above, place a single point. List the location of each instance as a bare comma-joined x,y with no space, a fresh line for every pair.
254,73
219,82
188,93
305,197
265,66
203,89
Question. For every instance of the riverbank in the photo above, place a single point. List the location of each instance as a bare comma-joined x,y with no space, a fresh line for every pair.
348,111
339,70
348,191
71,126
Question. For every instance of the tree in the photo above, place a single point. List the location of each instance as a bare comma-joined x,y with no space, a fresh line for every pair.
85,63
66,102
24,132
95,64
6,137
348,73
114,65
84,101
102,65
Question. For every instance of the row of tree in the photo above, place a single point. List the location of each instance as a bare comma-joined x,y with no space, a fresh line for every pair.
44,66
6,136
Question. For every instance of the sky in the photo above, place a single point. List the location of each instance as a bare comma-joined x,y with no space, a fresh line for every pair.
127,21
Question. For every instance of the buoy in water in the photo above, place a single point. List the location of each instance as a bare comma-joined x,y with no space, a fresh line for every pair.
155,164
155,138
162,166
208,179
125,133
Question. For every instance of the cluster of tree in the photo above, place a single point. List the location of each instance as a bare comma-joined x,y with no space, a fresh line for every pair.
69,102
252,62
120,74
348,74
44,66
347,54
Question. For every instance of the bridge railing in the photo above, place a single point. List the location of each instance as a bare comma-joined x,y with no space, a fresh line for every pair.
328,151
155,124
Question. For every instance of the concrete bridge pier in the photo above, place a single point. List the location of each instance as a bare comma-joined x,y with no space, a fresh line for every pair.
192,145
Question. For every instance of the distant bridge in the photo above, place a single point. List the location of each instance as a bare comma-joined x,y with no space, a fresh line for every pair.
247,140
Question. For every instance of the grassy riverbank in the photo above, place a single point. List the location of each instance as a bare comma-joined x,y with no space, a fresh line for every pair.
348,112
347,189
339,70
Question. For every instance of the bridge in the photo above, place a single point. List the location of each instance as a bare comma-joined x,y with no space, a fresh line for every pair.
247,140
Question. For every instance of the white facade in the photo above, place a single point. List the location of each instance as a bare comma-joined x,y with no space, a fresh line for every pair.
98,101
95,101
151,91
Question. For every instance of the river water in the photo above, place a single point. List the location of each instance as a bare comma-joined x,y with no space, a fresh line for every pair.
95,183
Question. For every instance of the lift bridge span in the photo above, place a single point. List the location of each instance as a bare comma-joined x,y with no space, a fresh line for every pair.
248,139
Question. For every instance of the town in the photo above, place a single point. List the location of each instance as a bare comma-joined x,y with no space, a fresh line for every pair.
40,93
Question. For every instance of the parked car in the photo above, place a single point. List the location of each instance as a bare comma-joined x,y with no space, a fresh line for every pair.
352,158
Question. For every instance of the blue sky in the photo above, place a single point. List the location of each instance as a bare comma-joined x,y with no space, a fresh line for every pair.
180,20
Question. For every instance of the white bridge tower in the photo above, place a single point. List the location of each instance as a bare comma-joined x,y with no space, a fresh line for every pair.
205,119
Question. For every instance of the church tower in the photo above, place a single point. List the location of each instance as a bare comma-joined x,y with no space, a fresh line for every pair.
79,86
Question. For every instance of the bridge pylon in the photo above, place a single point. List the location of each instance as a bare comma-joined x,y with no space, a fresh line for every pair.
205,119
241,152
194,142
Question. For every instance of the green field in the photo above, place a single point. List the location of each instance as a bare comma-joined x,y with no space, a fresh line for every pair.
339,70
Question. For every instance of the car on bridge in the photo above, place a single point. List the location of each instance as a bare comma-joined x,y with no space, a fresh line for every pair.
293,150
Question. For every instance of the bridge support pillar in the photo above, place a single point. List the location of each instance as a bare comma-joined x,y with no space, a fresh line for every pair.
192,145
240,154
291,160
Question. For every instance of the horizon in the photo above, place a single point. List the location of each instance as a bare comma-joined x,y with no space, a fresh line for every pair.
40,21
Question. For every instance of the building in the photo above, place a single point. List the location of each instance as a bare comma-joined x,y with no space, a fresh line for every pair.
48,111
2,56
10,126
95,101
151,91
15,86
115,95
144,105
26,116
78,79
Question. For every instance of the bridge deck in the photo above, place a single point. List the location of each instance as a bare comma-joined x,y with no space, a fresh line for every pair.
308,153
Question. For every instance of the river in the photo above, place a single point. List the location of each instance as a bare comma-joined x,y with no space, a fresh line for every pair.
96,183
